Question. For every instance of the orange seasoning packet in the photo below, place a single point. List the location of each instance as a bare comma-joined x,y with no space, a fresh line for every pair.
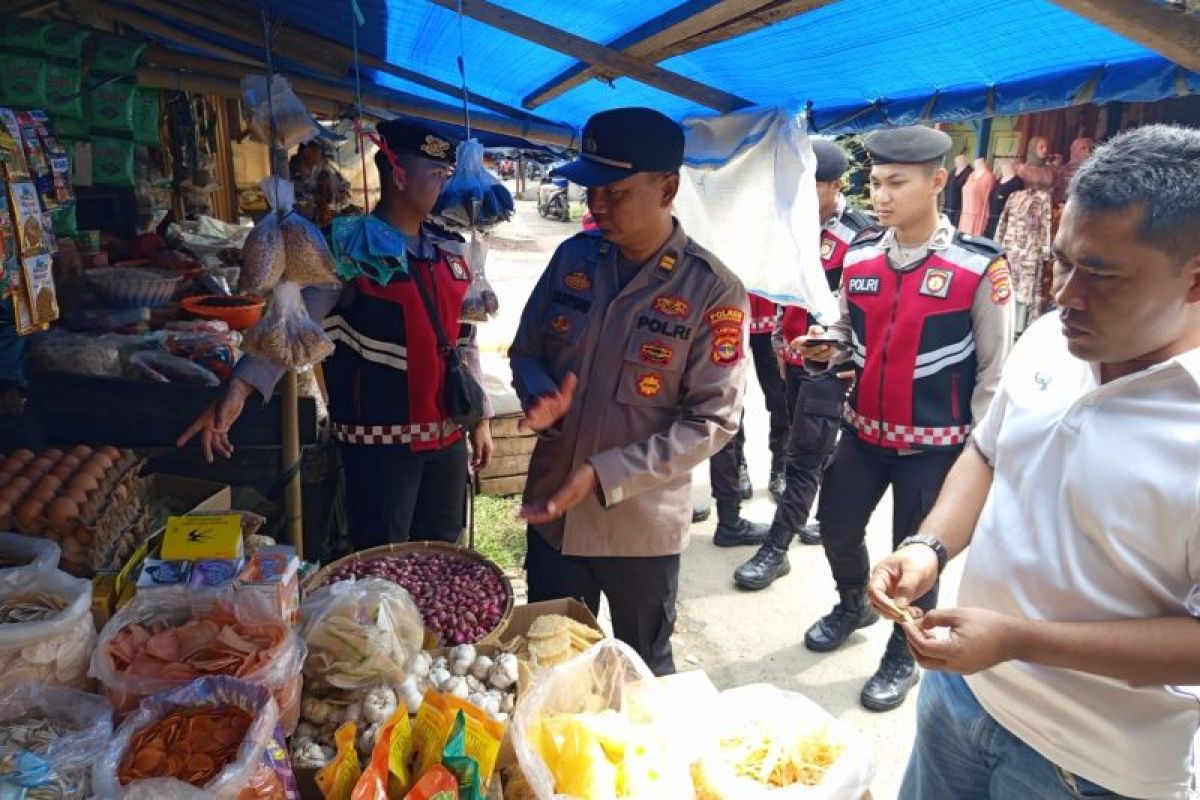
438,783
337,779
378,781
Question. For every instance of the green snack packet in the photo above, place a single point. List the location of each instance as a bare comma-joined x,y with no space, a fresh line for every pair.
455,759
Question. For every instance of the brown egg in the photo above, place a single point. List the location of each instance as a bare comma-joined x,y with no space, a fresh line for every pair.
81,451
98,461
42,463
110,451
28,513
75,495
41,494
63,470
74,461
6,476
23,455
85,481
54,454
5,509
51,482
62,511
12,464
11,495
21,482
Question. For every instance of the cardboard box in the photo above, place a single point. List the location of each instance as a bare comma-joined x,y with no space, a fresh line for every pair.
523,616
203,537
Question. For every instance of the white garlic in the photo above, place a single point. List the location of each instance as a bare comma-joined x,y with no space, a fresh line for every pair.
420,664
379,704
505,671
481,668
438,677
316,711
456,687
475,685
499,716
463,652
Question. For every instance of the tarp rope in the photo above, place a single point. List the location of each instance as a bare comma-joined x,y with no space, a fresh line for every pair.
357,20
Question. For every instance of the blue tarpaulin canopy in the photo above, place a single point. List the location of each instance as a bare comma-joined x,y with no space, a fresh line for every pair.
854,64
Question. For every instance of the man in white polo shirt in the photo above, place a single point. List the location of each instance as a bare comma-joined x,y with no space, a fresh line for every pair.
1077,625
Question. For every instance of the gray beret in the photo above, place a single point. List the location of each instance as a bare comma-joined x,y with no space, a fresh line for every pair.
915,144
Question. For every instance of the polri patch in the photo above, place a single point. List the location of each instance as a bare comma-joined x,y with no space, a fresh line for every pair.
670,306
936,283
998,273
726,324
868,285
664,327
578,281
561,324
826,249
649,384
657,353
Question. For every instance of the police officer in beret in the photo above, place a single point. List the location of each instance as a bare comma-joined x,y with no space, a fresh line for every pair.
815,398
927,323
405,461
630,362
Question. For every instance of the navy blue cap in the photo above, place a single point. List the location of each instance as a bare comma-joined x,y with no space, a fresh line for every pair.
410,136
915,144
831,160
624,142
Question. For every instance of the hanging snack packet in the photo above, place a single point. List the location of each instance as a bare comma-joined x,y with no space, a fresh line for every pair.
438,783
286,335
480,302
337,780
263,258
434,725
465,768
377,782
473,198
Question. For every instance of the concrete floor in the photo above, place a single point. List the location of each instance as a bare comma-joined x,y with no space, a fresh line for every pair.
737,637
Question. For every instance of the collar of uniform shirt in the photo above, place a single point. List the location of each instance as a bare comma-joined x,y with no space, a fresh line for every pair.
942,236
838,209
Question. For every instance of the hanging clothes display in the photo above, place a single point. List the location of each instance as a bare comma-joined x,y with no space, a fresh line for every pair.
1025,231
1081,148
976,193
1009,184
952,195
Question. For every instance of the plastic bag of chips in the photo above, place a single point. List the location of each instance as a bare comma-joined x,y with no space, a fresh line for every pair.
50,737
207,739
480,302
293,123
473,198
286,335
46,629
29,552
263,256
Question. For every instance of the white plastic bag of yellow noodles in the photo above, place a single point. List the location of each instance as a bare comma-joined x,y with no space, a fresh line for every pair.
359,633
573,742
771,744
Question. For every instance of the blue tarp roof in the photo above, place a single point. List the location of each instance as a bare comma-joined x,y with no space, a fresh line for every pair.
856,63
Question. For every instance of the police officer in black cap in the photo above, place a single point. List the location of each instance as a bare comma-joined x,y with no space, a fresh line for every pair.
630,362
405,461
815,398
926,323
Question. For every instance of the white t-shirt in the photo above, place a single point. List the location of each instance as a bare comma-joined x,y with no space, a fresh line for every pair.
1093,516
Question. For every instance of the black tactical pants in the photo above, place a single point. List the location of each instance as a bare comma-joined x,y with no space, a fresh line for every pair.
816,402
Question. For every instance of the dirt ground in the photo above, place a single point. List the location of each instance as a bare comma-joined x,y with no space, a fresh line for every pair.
737,637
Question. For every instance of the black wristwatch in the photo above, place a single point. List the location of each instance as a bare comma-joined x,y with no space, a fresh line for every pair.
932,543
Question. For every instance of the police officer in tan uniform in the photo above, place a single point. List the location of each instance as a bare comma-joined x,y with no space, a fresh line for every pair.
630,362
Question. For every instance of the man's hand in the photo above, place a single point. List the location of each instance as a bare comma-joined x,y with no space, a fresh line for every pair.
579,485
815,352
549,409
978,639
214,422
901,578
481,445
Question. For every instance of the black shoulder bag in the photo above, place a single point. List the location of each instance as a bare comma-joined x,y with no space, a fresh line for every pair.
462,395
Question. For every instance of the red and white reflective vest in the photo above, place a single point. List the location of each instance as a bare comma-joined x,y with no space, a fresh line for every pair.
914,342
836,237
762,315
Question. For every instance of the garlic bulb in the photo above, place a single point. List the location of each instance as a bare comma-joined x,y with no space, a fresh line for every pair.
379,704
420,664
481,668
505,671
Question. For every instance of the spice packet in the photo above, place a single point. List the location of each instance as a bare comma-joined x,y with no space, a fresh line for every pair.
39,286
337,780
12,152
32,238
435,723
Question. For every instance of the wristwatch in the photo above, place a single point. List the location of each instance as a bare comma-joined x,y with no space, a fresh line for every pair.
932,543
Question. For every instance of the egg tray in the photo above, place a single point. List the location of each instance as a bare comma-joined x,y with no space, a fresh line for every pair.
106,531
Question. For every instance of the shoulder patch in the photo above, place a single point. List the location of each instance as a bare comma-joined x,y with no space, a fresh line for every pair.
868,236
1001,280
978,244
727,327
857,219
444,234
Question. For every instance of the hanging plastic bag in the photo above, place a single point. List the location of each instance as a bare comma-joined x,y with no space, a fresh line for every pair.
572,740
778,745
286,335
480,302
263,256
293,123
359,634
473,198
247,775
46,630
28,552
168,637
50,737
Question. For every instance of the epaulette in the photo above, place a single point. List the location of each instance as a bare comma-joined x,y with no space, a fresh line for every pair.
857,219
868,236
440,232
978,244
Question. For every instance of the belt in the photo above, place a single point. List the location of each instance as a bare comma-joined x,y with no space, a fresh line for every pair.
393,434
913,435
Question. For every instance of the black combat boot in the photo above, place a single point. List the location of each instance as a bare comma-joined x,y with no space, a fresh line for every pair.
733,531
745,488
701,513
811,533
898,673
778,484
832,630
769,563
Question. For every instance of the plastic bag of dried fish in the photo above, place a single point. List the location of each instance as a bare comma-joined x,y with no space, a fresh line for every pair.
480,302
286,335
50,737
188,733
46,630
473,198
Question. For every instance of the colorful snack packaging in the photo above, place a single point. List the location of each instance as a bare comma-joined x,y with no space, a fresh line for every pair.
337,781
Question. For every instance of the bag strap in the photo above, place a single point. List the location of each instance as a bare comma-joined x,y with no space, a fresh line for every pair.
439,331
